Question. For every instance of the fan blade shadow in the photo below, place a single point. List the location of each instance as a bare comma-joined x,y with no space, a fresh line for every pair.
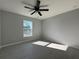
27,4
43,5
29,8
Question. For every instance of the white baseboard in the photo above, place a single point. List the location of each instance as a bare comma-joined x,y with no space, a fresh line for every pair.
12,44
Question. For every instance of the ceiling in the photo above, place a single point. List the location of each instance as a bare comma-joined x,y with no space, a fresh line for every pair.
55,7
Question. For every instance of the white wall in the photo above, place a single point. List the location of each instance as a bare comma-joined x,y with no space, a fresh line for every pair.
12,30
0,28
63,28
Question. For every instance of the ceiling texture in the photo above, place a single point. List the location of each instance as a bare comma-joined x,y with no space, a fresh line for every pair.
55,7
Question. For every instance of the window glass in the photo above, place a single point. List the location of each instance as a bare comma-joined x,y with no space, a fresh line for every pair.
27,28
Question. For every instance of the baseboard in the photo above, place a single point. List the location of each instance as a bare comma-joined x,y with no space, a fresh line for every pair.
13,44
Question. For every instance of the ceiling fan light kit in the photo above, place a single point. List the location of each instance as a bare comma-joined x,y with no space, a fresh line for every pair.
36,8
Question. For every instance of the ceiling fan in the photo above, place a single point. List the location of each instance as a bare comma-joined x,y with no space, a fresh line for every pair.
36,8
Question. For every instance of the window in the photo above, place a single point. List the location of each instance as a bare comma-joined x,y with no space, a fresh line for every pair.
27,28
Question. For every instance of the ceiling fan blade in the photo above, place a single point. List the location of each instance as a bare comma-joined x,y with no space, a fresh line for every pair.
43,5
39,13
33,12
28,7
43,9
27,4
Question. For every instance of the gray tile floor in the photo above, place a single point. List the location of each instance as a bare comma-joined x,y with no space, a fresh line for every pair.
30,51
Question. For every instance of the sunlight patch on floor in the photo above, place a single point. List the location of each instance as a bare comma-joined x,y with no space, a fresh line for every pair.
42,43
58,46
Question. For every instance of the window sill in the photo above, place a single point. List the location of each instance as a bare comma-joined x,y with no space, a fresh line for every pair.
27,35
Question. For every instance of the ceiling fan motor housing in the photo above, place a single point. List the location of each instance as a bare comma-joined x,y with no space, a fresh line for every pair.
36,8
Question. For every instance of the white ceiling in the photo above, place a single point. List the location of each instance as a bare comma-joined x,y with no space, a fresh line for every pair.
55,7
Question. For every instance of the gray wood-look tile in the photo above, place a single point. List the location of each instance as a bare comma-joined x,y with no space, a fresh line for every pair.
30,51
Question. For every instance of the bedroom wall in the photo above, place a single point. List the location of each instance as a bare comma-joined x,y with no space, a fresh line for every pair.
0,28
12,28
63,28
